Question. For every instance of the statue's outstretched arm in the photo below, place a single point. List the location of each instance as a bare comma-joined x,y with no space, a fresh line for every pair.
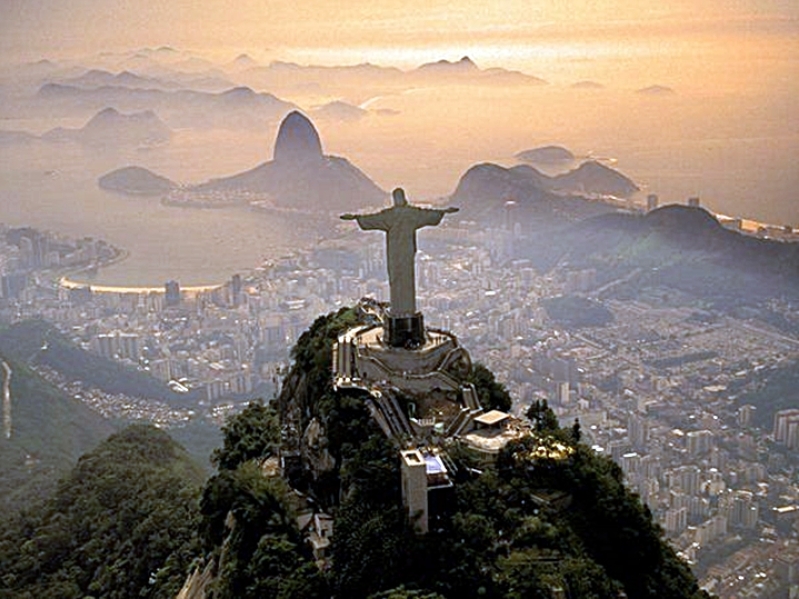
378,220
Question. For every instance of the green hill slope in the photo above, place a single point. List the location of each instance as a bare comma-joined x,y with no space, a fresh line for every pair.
49,431
36,341
120,525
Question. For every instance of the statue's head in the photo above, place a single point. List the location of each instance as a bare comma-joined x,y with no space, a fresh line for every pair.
399,197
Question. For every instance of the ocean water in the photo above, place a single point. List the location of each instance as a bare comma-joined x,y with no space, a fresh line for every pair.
54,187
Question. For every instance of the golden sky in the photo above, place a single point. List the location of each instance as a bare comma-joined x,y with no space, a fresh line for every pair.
55,27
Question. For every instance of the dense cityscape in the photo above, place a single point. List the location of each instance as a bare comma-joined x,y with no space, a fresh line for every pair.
654,385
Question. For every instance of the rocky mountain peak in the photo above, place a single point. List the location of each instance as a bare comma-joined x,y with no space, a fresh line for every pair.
297,140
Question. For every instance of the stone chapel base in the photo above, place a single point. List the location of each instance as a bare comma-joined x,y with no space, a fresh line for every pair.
405,331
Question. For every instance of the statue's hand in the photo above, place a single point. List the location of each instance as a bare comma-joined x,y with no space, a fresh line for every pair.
451,209
348,217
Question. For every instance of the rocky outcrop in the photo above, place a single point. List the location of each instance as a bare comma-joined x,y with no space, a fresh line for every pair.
314,449
297,141
302,177
198,582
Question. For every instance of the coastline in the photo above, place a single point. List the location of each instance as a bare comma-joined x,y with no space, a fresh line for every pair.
70,280
67,283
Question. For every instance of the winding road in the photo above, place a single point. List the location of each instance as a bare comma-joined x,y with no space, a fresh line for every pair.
6,400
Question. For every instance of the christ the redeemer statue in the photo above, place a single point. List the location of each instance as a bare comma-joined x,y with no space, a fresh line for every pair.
400,223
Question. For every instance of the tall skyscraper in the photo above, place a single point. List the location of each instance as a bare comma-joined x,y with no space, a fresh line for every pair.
172,294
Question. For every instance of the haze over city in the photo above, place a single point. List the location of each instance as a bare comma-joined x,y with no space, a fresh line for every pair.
728,133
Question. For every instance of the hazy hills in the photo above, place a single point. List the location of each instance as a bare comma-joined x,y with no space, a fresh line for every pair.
339,111
17,137
465,69
111,127
301,176
485,188
352,80
95,78
594,178
546,155
234,108
676,247
656,90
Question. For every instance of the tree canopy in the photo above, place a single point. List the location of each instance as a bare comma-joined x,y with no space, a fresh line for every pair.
121,524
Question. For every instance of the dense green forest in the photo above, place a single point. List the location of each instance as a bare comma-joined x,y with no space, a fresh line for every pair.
122,524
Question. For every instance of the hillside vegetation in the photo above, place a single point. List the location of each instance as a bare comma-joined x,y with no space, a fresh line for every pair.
49,431
38,342
122,524
527,527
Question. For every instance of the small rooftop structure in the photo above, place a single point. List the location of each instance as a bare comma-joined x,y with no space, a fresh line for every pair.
492,419
318,529
321,534
437,473
491,440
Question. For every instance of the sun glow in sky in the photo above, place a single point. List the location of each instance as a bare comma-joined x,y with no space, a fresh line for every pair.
729,133
398,31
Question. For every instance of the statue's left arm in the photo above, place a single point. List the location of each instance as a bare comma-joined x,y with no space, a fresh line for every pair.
430,217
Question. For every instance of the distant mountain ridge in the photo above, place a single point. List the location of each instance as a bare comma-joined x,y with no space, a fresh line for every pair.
594,178
466,70
95,78
292,76
676,247
546,155
339,111
109,126
464,65
486,187
238,107
656,90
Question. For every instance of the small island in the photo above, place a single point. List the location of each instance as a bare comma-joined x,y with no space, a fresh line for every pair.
136,180
656,90
546,155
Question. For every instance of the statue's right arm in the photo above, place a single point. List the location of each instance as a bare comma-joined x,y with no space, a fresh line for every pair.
348,217
372,221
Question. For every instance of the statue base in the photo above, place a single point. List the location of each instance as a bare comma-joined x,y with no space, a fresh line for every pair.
405,331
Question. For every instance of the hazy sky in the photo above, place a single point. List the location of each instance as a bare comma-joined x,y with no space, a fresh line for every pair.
32,28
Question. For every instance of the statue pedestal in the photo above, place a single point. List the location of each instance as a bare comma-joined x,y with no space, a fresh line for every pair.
405,331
